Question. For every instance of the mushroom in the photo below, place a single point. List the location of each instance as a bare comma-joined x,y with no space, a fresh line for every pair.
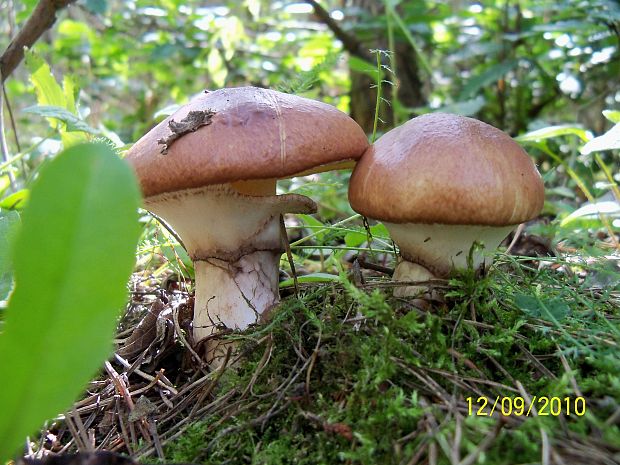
210,170
441,183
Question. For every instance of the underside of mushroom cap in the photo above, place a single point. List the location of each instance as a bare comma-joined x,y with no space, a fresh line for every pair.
441,248
446,169
241,134
219,222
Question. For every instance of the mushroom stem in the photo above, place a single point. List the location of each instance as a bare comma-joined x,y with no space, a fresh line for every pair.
235,294
433,250
235,242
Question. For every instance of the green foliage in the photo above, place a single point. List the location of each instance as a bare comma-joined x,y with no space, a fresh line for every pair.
72,259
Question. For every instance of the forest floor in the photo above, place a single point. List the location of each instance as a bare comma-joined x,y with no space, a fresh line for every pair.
519,365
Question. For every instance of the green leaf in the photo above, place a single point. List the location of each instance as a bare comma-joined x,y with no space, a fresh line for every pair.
311,278
73,123
16,200
357,238
317,226
72,260
69,91
490,75
593,210
9,224
612,115
47,89
554,131
608,141
548,309
363,66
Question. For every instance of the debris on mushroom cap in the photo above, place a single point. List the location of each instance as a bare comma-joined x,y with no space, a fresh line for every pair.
447,169
190,123
250,133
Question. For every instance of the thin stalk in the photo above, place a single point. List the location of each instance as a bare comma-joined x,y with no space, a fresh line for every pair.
378,102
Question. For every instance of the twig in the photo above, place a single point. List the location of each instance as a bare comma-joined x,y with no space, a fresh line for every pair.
516,237
82,431
42,18
289,254
146,376
373,266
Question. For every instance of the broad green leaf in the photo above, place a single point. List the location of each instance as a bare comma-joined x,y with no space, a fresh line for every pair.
317,226
593,210
69,91
554,131
364,67
608,141
490,75
612,115
47,89
9,223
357,238
16,200
548,309
72,259
311,278
73,123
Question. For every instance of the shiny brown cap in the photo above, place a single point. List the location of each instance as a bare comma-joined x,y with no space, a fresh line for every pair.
446,169
247,133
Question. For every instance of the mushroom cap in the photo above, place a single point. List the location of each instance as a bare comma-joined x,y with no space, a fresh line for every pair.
253,134
446,169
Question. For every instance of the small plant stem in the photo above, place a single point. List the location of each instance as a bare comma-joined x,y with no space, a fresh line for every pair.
378,103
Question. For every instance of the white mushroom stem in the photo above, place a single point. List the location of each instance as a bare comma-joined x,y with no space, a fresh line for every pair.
433,250
235,242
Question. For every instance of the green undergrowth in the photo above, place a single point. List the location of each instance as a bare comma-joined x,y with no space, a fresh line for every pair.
349,375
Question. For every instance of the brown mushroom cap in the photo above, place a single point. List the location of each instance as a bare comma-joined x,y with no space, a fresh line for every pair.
446,169
253,134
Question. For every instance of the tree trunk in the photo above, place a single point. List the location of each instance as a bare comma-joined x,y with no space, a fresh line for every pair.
364,94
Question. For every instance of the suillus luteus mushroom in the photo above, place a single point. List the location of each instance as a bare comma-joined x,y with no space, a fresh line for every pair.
210,170
441,183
